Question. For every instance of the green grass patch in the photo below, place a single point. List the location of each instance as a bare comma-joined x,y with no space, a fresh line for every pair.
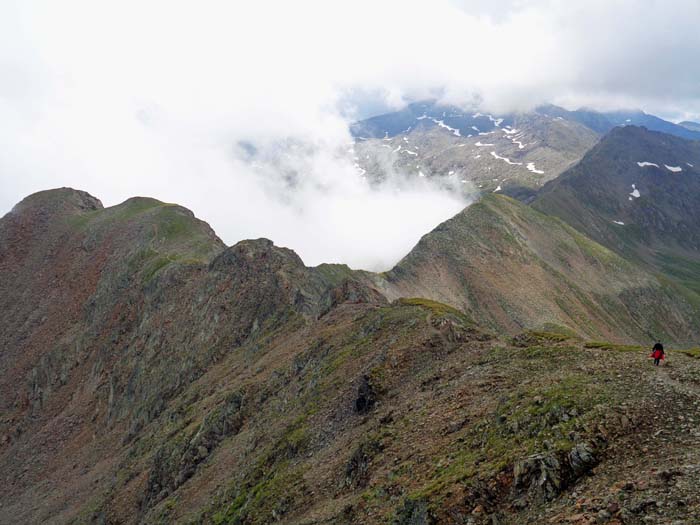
272,485
602,345
549,336
684,271
434,307
692,352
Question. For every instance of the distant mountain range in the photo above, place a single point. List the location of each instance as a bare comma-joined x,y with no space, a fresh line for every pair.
693,126
602,122
392,124
497,374
514,154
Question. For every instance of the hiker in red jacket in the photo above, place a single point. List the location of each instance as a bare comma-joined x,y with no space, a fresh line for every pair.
657,353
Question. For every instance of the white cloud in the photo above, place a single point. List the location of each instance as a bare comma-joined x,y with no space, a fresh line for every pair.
152,98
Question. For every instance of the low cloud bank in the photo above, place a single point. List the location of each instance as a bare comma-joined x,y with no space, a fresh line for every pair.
240,110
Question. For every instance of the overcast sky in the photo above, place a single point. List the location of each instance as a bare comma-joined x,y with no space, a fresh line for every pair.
152,98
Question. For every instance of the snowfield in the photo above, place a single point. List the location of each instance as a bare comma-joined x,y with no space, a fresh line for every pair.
531,166
508,161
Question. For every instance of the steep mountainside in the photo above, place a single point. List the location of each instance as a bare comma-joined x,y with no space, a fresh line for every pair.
509,266
638,193
516,155
108,314
149,374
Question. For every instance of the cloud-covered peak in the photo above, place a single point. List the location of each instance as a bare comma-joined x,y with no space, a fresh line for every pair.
155,98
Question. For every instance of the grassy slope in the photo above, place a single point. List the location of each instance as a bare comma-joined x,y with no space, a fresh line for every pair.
661,227
212,393
272,434
161,233
509,266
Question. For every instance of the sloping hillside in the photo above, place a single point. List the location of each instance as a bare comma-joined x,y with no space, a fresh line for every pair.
515,155
638,193
151,375
509,267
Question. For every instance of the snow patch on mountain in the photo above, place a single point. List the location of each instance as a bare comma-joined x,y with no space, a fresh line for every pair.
531,166
508,161
442,124
674,169
644,164
496,121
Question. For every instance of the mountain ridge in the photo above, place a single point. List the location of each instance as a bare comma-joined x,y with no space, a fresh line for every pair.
503,262
393,123
635,192
151,374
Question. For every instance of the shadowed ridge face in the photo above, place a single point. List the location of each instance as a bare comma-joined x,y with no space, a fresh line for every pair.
509,266
111,313
81,280
638,193
144,288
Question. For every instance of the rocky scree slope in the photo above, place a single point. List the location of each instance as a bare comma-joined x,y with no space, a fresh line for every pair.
152,375
109,313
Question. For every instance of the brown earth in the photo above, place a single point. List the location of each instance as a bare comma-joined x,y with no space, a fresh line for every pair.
148,374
